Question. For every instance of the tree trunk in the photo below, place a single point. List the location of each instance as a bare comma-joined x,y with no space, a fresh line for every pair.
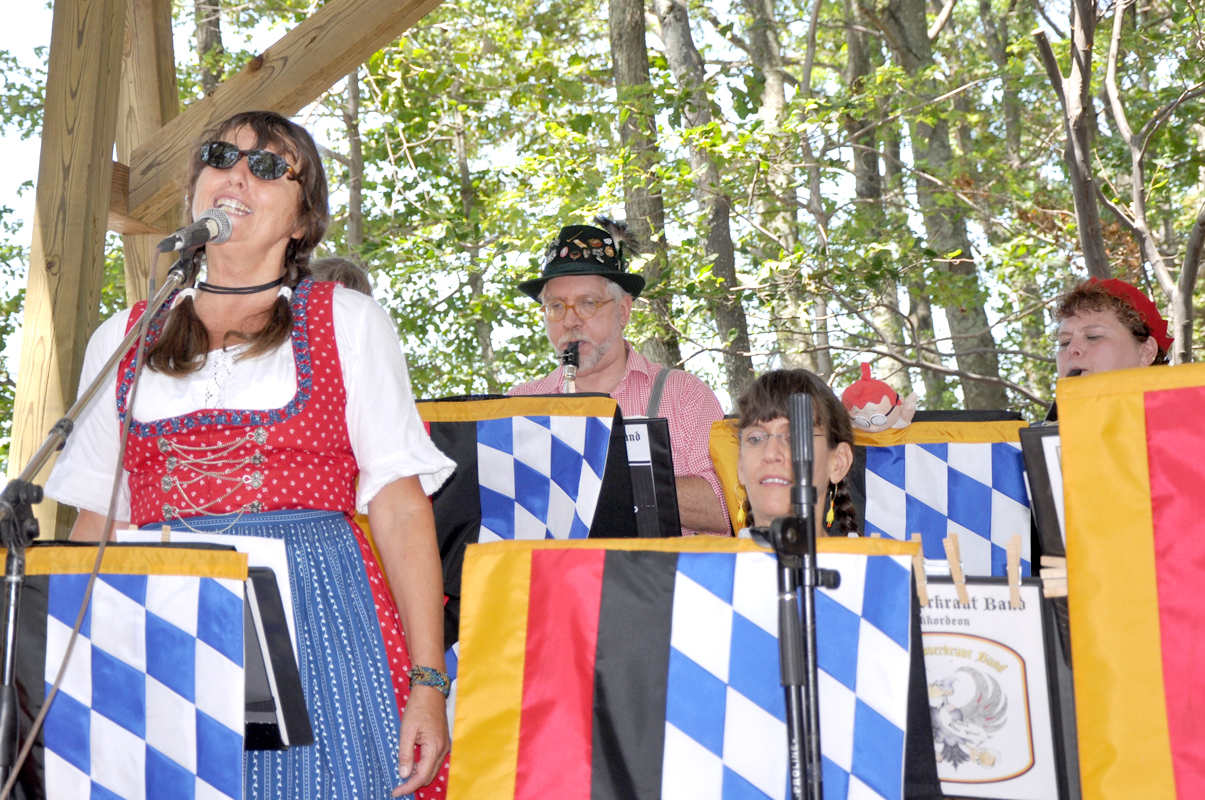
1075,97
355,182
777,204
924,340
687,65
999,41
643,204
468,204
208,19
920,313
945,222
862,133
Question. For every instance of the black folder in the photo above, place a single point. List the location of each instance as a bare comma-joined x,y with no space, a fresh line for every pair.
276,717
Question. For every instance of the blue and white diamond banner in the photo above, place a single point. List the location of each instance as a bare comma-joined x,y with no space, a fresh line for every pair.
540,476
974,489
725,732
152,703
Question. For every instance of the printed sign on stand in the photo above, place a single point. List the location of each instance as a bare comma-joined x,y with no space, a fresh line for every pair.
991,682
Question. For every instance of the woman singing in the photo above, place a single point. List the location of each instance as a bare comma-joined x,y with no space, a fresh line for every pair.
265,396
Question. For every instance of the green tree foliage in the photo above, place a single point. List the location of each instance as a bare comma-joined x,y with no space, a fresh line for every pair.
490,124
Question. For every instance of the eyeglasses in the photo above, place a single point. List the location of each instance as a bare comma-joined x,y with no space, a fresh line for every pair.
876,420
585,308
756,441
264,164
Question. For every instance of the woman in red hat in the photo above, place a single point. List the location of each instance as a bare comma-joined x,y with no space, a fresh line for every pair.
1108,325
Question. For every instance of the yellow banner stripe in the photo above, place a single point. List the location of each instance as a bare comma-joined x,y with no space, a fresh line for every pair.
225,564
493,643
944,432
548,406
1121,714
696,544
1127,381
725,450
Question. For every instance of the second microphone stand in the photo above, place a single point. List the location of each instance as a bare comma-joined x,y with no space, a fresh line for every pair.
793,540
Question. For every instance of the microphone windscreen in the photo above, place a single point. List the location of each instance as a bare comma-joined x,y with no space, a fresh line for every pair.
225,227
799,415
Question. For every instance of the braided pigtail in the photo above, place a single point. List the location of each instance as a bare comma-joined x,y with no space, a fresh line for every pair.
845,513
182,346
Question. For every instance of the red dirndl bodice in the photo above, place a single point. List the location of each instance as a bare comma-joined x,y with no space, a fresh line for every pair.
227,461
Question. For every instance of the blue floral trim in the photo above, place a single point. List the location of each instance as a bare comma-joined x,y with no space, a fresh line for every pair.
204,417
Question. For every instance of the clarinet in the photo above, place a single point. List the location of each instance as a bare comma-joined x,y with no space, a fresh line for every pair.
569,359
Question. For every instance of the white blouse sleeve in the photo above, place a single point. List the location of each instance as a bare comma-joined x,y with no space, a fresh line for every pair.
387,434
83,475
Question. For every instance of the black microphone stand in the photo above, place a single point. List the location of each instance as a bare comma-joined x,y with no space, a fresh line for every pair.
793,540
19,527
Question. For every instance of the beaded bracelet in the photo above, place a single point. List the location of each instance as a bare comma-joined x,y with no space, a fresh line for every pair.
430,676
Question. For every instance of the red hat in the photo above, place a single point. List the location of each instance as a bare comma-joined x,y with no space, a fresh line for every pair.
1145,307
867,390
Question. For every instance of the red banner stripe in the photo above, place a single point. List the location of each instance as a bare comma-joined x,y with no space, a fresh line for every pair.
1177,470
555,729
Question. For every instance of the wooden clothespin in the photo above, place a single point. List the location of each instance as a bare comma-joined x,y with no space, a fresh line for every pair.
1013,551
918,569
1054,576
165,534
954,556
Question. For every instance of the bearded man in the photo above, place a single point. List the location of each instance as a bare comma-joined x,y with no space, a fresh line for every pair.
586,294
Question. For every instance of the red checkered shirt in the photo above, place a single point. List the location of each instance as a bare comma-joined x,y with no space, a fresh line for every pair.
687,402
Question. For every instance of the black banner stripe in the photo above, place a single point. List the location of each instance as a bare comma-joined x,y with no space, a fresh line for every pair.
31,681
457,507
630,668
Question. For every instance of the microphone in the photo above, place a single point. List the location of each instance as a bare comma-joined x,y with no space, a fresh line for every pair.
213,226
803,492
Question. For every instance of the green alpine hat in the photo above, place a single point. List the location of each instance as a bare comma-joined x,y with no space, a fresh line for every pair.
586,250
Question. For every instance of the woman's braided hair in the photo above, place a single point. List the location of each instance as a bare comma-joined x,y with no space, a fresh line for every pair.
766,399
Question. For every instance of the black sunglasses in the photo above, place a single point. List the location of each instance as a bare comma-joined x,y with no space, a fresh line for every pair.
264,164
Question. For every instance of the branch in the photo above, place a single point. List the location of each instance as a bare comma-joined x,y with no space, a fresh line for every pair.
1149,129
944,370
942,19
1042,10
1184,289
741,44
1051,63
919,107
326,152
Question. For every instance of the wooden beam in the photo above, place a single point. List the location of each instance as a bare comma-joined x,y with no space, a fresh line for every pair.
284,78
148,100
66,263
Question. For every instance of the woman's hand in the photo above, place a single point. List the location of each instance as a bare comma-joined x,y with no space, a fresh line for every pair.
425,724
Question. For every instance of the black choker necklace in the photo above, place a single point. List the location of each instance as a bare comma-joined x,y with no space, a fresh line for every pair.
263,287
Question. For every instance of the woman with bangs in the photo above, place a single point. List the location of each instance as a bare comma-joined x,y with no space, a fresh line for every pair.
260,406
764,467
1105,325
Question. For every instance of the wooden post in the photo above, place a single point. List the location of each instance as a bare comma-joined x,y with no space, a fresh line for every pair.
66,262
148,100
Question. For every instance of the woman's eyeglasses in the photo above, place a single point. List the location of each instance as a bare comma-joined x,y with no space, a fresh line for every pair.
264,164
585,308
755,440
